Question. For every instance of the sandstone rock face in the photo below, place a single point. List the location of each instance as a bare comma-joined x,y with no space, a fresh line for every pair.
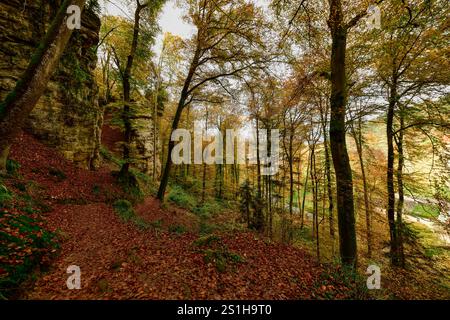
68,116
142,152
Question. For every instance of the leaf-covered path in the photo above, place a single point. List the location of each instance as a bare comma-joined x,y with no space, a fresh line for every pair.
118,260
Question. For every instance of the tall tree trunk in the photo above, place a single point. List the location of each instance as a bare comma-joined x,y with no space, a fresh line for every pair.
155,130
291,183
166,171
124,172
357,135
401,198
156,118
236,175
338,102
18,104
305,187
269,182
204,164
324,116
315,191
258,160
221,171
176,120
390,175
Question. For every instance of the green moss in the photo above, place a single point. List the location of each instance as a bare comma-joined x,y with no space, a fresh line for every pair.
207,240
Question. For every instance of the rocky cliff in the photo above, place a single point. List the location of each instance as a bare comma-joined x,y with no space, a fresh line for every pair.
68,116
143,139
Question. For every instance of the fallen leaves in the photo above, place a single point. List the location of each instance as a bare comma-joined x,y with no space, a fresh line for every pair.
120,261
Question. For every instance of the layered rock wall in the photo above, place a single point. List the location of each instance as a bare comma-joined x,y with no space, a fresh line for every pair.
68,116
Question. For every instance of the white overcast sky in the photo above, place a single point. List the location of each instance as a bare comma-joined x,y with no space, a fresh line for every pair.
170,19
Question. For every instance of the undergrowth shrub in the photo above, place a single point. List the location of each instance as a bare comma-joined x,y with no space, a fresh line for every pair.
12,167
209,208
5,196
26,244
125,211
340,282
107,155
216,252
177,228
181,198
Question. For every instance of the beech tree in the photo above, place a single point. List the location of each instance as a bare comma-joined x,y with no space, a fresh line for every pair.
150,9
227,42
412,35
339,29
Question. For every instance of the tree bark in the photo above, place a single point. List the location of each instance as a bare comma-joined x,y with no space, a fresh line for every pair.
16,107
305,185
258,160
176,120
401,198
124,171
291,183
359,148
204,164
338,101
390,174
324,116
315,191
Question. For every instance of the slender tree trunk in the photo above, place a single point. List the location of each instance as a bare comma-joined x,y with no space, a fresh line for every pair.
156,124
258,160
18,104
305,187
187,165
291,183
236,169
315,191
220,178
401,199
324,116
204,164
359,148
166,171
155,130
269,183
341,161
124,171
299,179
390,175
176,120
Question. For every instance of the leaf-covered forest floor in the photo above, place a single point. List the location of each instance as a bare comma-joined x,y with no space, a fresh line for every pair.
146,252
152,259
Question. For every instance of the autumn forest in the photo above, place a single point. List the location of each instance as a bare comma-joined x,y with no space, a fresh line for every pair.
224,149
